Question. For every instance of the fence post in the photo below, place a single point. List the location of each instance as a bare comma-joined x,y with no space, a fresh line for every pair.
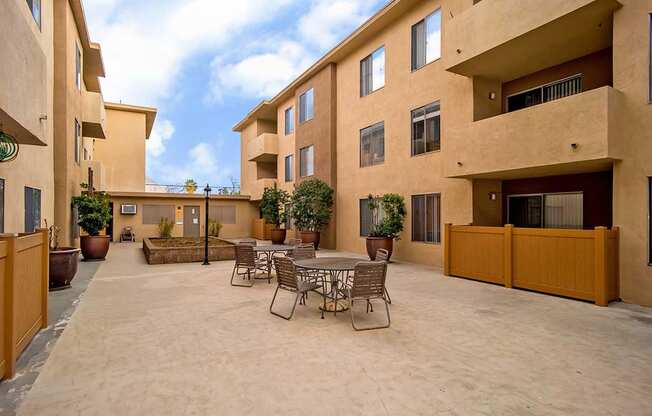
600,284
45,276
507,253
10,307
617,258
447,249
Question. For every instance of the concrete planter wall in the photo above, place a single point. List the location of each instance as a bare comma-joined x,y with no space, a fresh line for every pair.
166,255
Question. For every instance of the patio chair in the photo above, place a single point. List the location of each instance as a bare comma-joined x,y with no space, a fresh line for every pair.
368,284
127,234
248,242
383,255
294,241
245,263
303,252
288,279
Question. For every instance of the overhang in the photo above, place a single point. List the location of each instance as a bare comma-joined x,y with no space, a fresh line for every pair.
149,112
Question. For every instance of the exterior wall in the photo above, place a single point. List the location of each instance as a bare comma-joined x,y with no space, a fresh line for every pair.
122,154
26,96
286,145
245,213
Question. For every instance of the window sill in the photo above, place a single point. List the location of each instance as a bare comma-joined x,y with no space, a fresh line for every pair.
425,65
372,166
426,153
371,92
301,123
426,243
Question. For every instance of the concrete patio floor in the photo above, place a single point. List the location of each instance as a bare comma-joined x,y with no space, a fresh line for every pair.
178,340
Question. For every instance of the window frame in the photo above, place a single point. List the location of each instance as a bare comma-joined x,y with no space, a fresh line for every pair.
425,119
78,142
370,58
289,173
371,128
413,64
37,20
286,118
303,114
543,196
33,192
649,220
301,161
437,239
649,100
2,205
78,67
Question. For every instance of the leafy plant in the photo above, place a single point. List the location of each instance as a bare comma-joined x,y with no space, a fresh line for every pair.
165,227
214,228
93,209
272,206
312,205
190,187
387,215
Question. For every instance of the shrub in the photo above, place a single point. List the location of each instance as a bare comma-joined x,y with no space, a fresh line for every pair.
93,210
214,228
312,205
272,206
165,227
388,213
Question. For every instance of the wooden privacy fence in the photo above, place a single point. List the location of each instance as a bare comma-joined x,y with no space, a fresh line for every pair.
24,263
260,230
580,264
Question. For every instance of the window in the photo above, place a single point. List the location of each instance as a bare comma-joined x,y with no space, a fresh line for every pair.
372,72
35,8
543,94
564,210
2,206
426,129
426,218
372,145
306,106
426,40
78,68
307,161
32,209
289,165
650,56
225,214
78,143
152,214
366,217
289,121
649,220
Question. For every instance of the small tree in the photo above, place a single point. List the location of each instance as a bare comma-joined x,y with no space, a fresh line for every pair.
190,187
165,227
272,206
312,205
94,212
387,215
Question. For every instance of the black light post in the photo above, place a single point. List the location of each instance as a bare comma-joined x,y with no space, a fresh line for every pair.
207,193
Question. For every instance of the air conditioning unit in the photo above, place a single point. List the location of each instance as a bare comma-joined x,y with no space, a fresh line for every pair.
128,209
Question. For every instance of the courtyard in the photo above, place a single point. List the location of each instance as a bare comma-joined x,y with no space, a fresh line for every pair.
179,340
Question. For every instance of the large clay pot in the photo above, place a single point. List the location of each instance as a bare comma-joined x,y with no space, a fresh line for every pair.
94,247
374,243
308,237
278,235
63,267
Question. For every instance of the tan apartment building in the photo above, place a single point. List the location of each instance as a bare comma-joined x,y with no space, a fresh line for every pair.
485,112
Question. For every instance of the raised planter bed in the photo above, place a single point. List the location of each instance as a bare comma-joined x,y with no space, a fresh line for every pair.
186,250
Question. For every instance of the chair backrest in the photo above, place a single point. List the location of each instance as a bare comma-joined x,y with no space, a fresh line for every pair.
286,273
369,279
294,242
382,254
303,252
245,255
248,242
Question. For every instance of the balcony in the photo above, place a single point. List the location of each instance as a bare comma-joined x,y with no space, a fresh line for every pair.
263,148
93,115
575,134
506,39
258,187
99,173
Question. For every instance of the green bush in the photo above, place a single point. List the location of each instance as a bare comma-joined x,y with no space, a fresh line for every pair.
312,205
272,206
93,210
387,214
214,228
165,227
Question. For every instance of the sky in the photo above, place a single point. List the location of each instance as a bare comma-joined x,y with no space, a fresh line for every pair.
205,64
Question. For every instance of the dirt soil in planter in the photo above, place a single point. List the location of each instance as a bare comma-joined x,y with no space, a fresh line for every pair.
187,242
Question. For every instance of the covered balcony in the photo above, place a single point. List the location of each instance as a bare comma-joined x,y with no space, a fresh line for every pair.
94,115
99,173
263,148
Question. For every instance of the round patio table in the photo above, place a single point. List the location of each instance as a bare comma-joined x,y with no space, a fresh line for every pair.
336,268
268,251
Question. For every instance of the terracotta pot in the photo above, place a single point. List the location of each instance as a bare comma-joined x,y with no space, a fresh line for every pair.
278,235
374,243
94,247
308,237
63,267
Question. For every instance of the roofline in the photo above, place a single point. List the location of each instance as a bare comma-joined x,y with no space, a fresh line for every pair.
329,57
169,195
150,113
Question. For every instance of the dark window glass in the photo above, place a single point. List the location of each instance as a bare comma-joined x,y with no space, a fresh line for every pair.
307,161
426,218
525,211
78,143
35,9
2,206
152,214
306,106
426,40
650,56
289,175
78,68
426,129
365,218
289,121
649,220
372,145
32,209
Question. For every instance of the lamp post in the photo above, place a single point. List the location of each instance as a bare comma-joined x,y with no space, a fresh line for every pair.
207,193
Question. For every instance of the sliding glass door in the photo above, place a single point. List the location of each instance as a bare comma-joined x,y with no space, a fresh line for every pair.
563,210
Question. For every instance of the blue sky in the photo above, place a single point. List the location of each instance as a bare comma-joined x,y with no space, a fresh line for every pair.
205,63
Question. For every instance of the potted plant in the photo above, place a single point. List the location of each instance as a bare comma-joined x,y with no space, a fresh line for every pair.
94,216
63,262
272,206
387,215
312,206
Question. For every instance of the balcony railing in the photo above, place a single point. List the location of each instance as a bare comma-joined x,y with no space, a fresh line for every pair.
263,148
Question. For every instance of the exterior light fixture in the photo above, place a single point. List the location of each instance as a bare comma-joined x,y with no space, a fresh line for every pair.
459,163
574,146
207,194
492,95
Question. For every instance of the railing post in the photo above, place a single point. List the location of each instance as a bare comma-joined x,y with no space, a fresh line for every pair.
600,284
10,307
45,276
507,255
447,249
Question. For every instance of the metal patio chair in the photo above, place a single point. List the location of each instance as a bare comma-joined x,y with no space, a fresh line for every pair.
127,234
246,263
289,279
383,255
368,284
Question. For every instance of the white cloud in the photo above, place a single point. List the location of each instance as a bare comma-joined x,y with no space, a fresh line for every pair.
162,131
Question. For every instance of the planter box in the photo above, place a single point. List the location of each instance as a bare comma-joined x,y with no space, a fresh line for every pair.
187,254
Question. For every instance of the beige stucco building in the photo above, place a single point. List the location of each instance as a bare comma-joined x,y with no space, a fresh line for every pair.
476,112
